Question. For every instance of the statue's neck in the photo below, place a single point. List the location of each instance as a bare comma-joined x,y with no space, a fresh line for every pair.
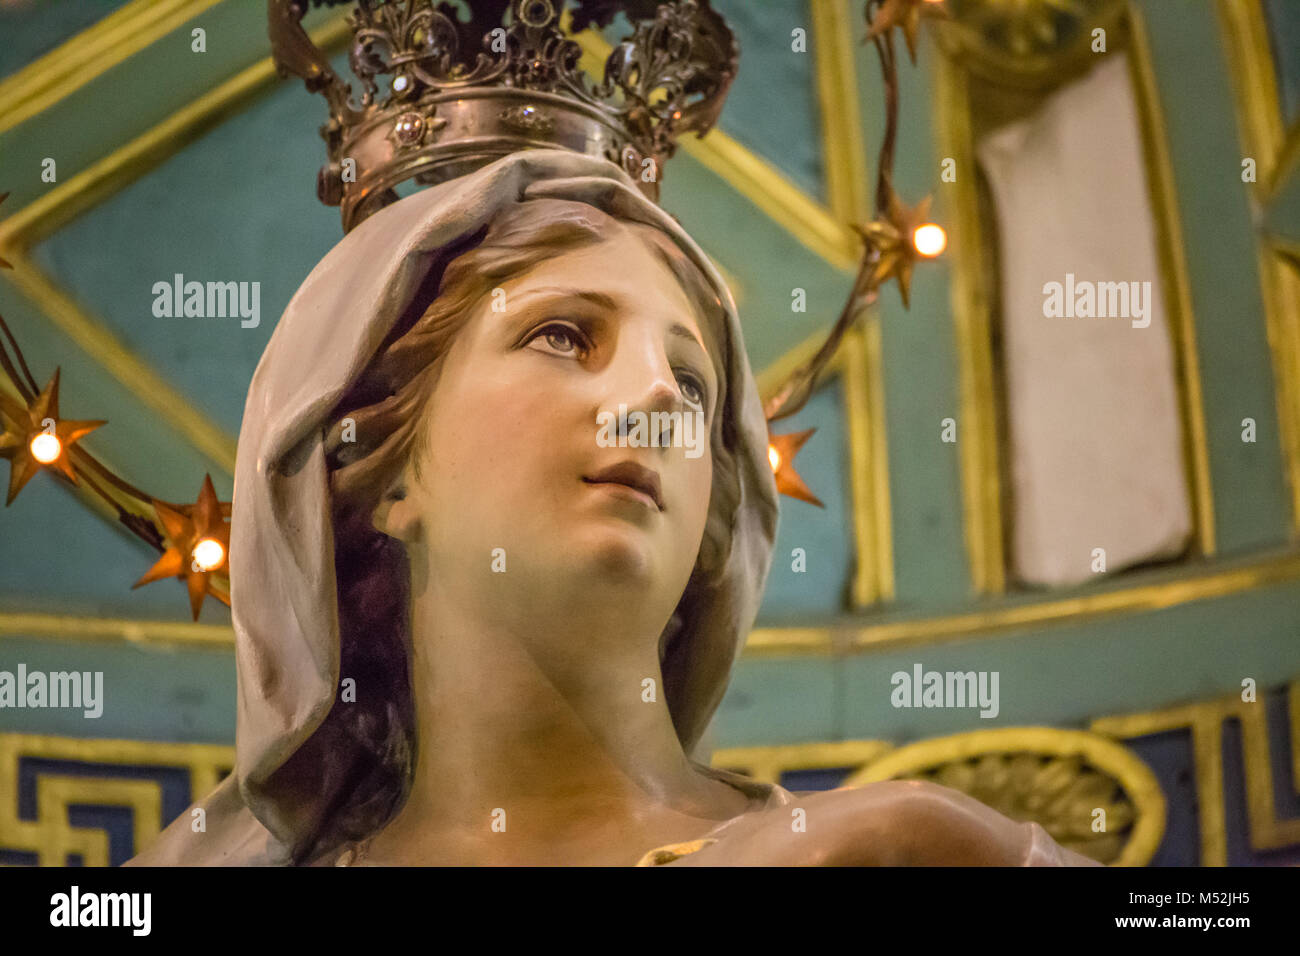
551,721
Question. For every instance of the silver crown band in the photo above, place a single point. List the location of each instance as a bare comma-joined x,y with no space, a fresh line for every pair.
445,114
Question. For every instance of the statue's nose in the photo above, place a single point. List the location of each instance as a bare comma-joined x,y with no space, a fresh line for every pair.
642,383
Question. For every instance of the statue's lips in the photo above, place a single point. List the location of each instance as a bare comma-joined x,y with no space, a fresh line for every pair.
629,474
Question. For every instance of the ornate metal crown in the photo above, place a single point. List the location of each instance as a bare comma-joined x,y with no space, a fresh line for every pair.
458,94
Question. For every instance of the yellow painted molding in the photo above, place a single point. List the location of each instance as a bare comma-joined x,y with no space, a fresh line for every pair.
843,638
984,447
1175,278
864,415
880,503
1105,755
788,642
89,54
767,764
1205,720
1280,281
50,835
1293,707
60,205
57,207
1288,249
843,148
844,156
848,638
980,450
1288,160
771,192
1150,597
1260,122
1101,748
967,41
186,634
753,177
1254,81
133,372
859,362
54,797
770,377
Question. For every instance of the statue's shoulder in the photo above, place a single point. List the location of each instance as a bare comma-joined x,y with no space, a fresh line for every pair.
218,830
891,823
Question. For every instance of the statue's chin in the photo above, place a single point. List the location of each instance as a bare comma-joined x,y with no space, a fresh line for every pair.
618,555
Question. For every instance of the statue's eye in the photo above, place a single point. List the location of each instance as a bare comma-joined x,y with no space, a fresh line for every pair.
693,389
563,339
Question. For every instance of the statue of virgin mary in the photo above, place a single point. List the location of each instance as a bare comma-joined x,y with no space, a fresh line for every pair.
468,632
470,628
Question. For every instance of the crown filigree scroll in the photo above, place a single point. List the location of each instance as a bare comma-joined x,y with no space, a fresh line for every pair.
446,88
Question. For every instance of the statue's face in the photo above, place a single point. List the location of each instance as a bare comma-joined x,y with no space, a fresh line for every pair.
522,432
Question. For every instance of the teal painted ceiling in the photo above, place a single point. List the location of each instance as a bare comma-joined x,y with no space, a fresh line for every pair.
773,107
32,28
1284,29
236,202
793,595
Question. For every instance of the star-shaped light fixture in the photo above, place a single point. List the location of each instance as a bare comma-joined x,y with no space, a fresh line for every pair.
34,437
899,237
198,546
906,15
781,450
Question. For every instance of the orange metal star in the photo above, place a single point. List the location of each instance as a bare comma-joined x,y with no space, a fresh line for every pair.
906,15
781,450
198,539
891,236
34,437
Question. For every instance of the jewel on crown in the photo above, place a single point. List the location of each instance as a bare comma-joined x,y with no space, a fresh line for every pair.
448,87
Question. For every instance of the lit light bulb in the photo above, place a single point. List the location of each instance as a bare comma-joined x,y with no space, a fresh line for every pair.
46,447
930,240
208,554
773,457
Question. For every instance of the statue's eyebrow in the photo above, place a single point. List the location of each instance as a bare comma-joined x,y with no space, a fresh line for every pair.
682,331
606,302
589,295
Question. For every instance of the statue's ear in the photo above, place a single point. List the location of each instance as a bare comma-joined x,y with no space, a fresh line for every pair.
396,514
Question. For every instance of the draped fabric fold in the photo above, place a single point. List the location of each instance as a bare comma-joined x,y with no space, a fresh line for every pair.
282,544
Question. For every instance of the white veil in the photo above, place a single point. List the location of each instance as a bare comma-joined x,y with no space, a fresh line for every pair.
282,544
